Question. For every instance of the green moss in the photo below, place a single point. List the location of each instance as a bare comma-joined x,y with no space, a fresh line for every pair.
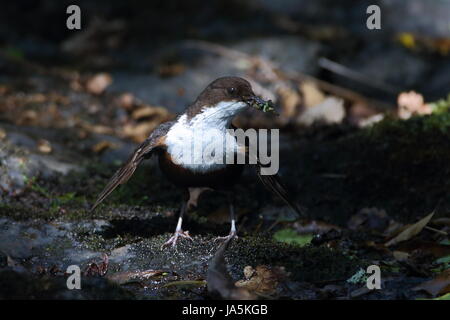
291,237
441,106
401,166
306,263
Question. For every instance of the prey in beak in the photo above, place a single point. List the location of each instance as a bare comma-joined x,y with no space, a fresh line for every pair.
260,104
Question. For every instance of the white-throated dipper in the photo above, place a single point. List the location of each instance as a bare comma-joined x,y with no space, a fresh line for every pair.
213,110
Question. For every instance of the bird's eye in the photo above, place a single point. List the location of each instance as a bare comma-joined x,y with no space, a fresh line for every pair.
232,90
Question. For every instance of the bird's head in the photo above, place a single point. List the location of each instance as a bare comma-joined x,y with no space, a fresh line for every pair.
225,97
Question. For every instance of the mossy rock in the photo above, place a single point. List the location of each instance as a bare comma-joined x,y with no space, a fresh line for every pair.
307,263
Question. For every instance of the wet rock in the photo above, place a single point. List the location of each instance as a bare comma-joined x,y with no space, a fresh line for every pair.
3,260
392,66
18,167
205,65
16,285
15,170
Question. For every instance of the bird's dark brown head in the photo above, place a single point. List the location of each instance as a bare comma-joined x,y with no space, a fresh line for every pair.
225,89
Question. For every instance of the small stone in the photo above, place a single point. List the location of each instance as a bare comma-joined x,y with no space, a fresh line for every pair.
44,146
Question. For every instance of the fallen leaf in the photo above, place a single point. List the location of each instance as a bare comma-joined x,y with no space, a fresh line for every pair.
99,129
410,231
126,101
400,255
98,83
369,219
139,132
263,280
437,286
149,111
102,146
444,297
29,117
436,249
311,94
219,280
290,101
44,146
2,134
100,269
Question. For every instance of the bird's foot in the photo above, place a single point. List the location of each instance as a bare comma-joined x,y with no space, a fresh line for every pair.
231,236
173,240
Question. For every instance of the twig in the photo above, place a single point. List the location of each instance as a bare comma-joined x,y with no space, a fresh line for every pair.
273,72
354,75
436,230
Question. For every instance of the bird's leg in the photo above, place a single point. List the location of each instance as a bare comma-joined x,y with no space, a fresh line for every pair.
178,231
233,232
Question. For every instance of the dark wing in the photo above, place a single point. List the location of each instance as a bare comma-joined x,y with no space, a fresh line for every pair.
145,149
272,182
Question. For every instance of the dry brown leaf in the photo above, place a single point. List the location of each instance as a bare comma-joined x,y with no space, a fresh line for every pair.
2,134
102,146
98,269
99,129
437,286
126,101
148,111
139,132
262,280
427,247
290,101
410,231
219,280
400,255
29,117
132,276
44,146
311,94
98,83
170,70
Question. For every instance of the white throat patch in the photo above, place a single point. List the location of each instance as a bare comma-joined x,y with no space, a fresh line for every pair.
203,143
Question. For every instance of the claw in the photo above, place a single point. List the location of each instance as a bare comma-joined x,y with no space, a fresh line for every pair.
173,240
232,235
